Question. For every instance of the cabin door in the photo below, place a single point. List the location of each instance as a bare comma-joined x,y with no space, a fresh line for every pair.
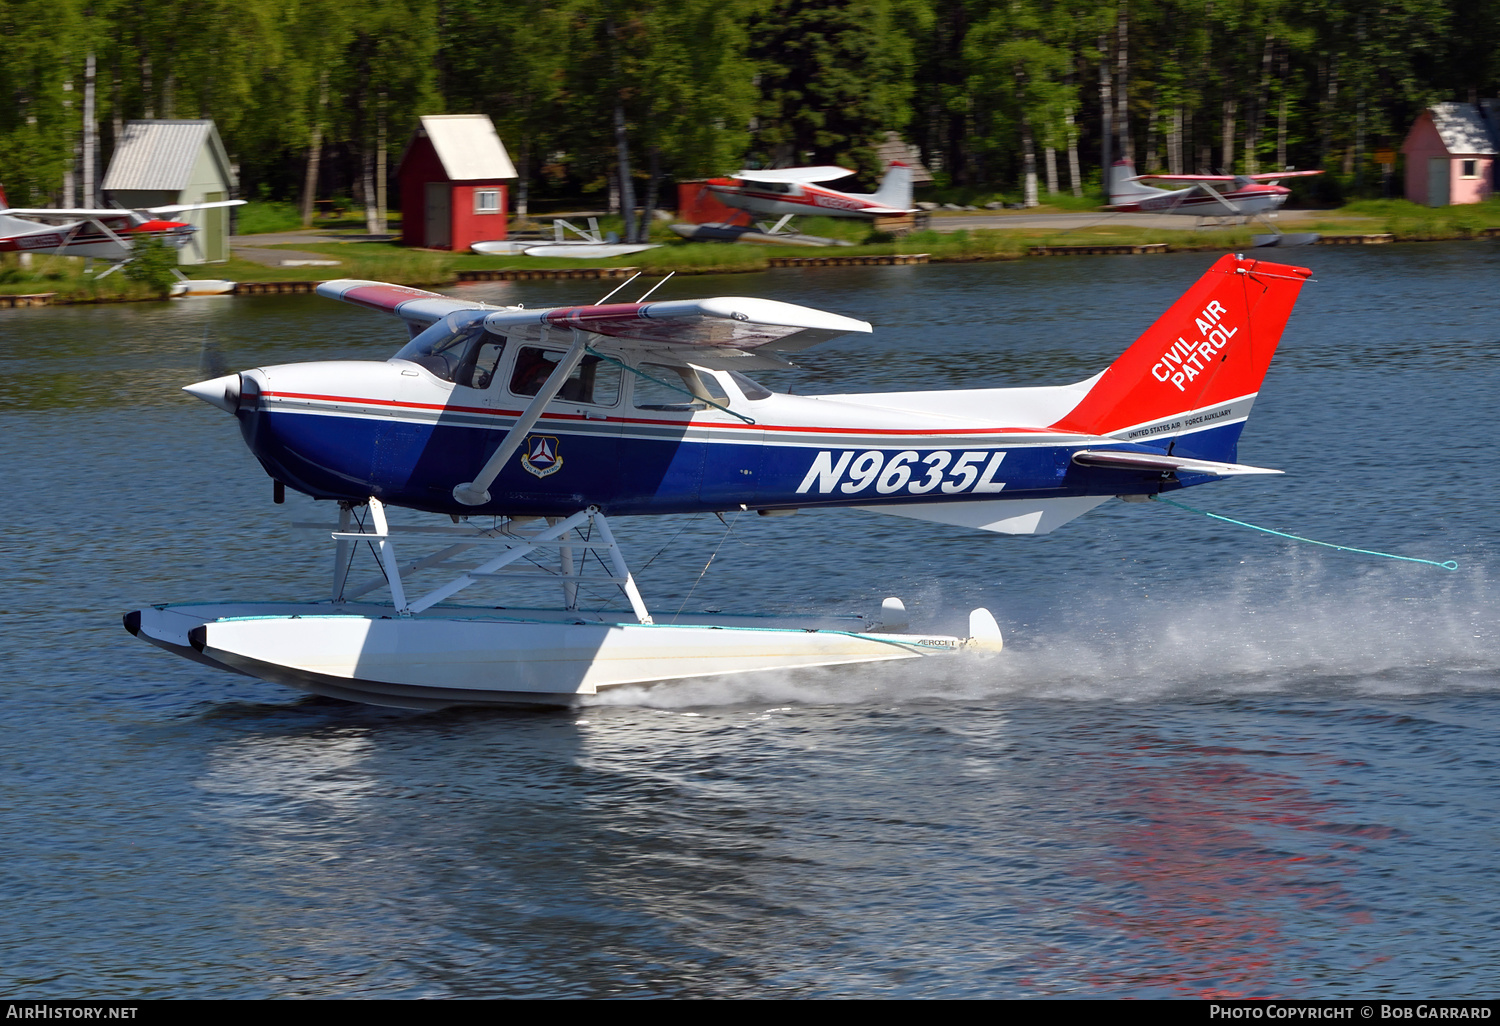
1438,174
439,226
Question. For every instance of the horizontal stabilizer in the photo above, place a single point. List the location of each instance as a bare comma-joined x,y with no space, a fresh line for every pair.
412,305
724,323
794,175
1115,459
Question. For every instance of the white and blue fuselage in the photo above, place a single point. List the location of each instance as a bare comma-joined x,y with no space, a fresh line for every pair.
634,432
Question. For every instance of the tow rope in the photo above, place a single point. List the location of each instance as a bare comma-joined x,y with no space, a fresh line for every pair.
1449,565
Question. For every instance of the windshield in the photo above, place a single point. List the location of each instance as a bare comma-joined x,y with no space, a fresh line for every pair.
451,348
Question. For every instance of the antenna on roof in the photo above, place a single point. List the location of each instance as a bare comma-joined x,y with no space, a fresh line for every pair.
655,287
620,286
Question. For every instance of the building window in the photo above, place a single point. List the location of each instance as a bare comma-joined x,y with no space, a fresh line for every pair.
486,201
1470,168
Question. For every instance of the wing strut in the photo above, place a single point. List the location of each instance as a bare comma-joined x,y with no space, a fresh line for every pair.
477,491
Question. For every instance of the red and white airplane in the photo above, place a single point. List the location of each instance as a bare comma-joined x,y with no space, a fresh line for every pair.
787,192
103,233
1234,196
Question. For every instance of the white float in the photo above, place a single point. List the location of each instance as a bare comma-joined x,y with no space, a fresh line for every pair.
422,653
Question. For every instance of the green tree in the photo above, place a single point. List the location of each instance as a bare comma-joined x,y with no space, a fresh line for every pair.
835,75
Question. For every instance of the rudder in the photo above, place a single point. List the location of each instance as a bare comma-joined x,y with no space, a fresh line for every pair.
895,188
1201,362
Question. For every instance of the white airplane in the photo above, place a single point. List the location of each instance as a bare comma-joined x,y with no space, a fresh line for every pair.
108,234
1216,196
787,192
527,430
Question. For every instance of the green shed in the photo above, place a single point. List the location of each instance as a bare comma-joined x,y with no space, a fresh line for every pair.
157,163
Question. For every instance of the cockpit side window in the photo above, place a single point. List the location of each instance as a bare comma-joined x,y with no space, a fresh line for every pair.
667,388
753,390
675,388
478,368
457,348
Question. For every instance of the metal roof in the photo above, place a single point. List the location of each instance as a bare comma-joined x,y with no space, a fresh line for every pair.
894,149
468,147
159,155
1462,128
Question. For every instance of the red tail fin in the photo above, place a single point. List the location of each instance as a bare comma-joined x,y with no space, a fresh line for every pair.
1213,345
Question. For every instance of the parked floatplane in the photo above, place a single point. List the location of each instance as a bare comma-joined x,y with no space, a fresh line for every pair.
529,429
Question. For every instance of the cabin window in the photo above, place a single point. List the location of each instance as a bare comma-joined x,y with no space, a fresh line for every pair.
478,367
673,388
486,201
753,390
593,381
456,348
1469,168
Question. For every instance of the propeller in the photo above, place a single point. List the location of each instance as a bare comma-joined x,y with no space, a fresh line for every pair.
211,360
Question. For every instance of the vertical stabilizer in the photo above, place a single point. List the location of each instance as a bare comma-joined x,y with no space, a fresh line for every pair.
1122,190
1199,365
895,188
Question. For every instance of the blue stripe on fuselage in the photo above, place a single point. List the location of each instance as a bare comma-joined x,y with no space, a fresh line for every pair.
416,463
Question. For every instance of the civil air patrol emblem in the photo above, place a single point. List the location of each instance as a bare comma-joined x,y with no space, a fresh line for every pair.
541,456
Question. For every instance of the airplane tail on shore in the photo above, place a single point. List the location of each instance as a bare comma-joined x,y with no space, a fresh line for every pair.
1123,191
1197,370
895,188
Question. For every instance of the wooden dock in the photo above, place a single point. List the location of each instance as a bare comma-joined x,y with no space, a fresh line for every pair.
35,299
272,288
878,260
1376,239
1147,247
545,273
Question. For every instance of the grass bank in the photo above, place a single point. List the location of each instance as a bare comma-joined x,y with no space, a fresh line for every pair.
389,262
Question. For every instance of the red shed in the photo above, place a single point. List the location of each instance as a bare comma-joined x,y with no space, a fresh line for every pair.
453,175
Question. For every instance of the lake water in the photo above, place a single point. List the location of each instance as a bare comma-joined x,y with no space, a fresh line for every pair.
1210,762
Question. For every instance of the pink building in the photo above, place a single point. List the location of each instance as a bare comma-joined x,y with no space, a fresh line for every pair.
1450,153
453,183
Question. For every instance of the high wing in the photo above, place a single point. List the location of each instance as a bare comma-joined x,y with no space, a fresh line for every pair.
795,175
416,307
95,212
728,331
177,208
1184,178
1271,176
61,213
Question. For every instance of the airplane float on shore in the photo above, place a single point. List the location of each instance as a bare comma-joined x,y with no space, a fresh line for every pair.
527,430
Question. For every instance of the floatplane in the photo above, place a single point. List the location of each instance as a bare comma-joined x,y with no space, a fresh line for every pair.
1236,198
526,431
784,193
102,233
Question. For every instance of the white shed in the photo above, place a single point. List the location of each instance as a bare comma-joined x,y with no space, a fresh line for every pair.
161,162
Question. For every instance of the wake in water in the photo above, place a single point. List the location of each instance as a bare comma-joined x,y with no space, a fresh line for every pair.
1293,630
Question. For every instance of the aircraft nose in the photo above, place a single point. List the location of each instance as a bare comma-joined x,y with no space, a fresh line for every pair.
221,392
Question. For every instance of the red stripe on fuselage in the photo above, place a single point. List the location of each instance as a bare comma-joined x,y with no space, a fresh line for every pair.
904,432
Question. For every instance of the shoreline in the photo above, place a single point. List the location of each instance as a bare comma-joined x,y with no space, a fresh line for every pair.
762,259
